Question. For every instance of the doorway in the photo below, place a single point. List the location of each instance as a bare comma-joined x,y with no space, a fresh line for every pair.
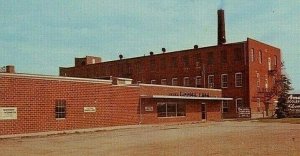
203,111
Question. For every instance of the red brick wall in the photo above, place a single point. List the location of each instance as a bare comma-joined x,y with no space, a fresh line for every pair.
193,111
35,102
262,69
167,90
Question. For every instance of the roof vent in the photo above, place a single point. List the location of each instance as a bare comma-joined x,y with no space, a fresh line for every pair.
163,50
121,56
151,53
196,46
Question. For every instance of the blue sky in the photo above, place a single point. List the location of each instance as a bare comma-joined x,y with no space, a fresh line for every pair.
40,36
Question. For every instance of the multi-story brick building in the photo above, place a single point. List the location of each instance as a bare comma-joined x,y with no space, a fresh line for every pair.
246,71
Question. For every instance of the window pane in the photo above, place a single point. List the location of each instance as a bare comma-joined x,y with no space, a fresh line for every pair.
171,110
161,110
180,109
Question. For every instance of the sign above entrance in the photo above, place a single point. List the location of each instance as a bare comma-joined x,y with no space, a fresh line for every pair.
189,94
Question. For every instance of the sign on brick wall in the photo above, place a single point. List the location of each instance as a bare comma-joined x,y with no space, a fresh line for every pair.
8,113
89,109
149,108
244,112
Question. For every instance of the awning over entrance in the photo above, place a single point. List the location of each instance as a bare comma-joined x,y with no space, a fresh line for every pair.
185,97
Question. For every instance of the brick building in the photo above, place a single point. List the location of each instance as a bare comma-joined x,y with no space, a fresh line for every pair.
39,103
246,71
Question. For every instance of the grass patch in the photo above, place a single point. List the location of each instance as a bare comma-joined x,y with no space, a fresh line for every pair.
284,120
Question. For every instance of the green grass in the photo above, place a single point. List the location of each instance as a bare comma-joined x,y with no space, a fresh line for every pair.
284,120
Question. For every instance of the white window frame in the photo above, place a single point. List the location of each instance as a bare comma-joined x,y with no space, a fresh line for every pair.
258,105
236,82
153,81
269,63
266,82
173,79
236,103
257,80
223,106
259,56
275,60
163,80
252,55
196,81
210,84
186,84
223,83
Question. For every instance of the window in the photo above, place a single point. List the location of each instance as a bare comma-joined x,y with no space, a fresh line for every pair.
251,55
174,82
163,63
238,80
260,57
225,106
266,82
269,63
163,82
170,109
93,61
210,81
186,81
275,61
239,103
198,81
223,56
224,80
152,65
186,61
153,81
257,80
210,58
237,54
258,105
198,60
174,62
60,109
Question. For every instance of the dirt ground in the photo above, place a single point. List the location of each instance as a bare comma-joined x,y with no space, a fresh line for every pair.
213,138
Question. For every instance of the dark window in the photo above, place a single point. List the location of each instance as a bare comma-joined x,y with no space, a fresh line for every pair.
60,108
163,63
237,54
174,62
210,58
152,65
224,80
224,56
225,106
239,104
186,61
198,60
170,109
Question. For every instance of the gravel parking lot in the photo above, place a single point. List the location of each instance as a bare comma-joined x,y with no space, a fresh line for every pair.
212,138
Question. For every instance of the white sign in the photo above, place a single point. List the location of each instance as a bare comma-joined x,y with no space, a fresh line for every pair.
8,113
89,109
148,108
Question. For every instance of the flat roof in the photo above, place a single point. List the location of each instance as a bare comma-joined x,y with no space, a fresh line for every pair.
51,77
185,97
183,87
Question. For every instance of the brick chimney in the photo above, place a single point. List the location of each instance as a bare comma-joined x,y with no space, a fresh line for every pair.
221,27
10,69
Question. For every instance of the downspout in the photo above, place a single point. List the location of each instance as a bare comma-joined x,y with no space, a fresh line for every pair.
140,110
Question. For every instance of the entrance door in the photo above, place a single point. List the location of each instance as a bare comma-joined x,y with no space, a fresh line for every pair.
203,111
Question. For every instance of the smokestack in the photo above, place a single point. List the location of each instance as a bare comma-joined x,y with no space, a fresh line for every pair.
221,27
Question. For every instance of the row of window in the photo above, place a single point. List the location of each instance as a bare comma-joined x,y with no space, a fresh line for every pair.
238,104
260,58
210,81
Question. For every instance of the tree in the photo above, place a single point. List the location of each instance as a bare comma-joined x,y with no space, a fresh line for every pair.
284,86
